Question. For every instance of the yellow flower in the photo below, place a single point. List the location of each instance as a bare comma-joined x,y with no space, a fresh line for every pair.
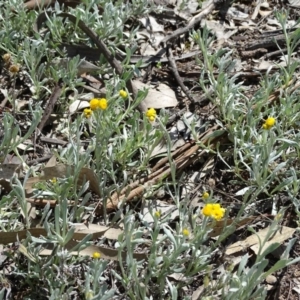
94,104
14,69
54,180
213,210
157,214
269,123
218,214
207,210
102,103
123,94
185,232
87,112
205,195
6,57
96,255
151,114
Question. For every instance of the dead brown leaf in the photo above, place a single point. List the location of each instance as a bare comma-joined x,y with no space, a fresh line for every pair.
253,242
60,171
106,253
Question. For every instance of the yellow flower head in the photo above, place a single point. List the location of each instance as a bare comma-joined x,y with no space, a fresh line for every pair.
157,214
205,195
6,57
96,255
185,232
269,123
123,94
151,114
218,214
87,112
94,104
213,210
102,103
207,210
54,180
14,69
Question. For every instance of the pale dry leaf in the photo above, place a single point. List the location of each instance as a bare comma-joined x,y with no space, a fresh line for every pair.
14,236
81,231
185,9
235,14
219,30
242,191
178,277
78,105
280,236
163,207
265,65
60,171
82,67
151,25
22,249
207,168
27,145
162,147
197,293
14,160
51,162
21,104
265,13
31,211
255,12
106,253
98,230
147,49
294,3
253,242
83,97
158,97
143,35
218,227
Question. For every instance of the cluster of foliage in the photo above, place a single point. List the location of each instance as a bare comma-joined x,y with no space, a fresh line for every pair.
121,140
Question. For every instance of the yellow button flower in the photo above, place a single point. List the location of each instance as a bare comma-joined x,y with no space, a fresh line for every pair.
123,94
218,214
102,103
207,210
94,104
205,195
157,214
185,232
96,255
269,123
213,210
87,112
151,114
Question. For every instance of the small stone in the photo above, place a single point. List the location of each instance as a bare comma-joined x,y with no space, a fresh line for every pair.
271,279
211,182
181,126
160,194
